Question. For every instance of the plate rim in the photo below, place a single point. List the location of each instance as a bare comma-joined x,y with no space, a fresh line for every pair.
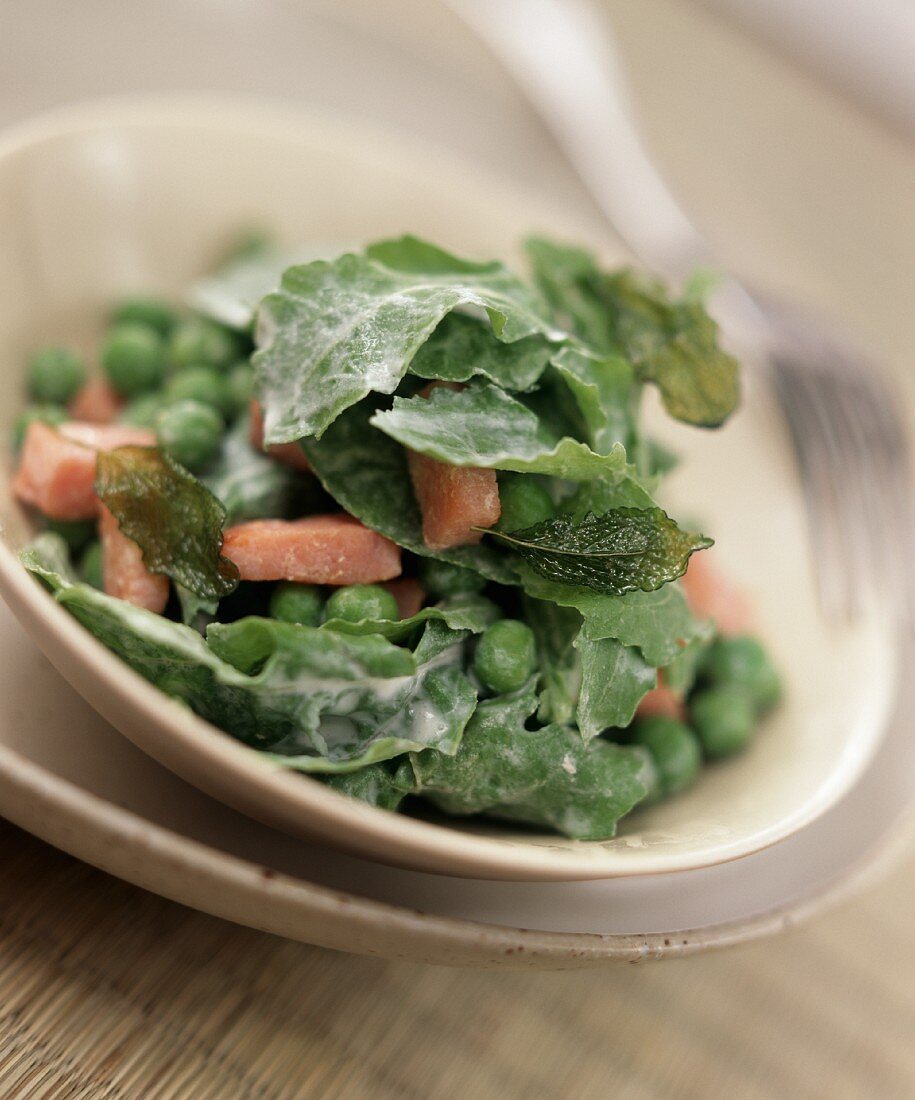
122,843
205,755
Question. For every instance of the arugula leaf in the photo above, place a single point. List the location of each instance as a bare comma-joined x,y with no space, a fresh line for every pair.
336,331
614,678
375,784
670,342
195,611
620,551
463,346
658,623
366,473
250,484
606,391
484,426
466,611
48,557
681,673
333,701
548,776
566,278
231,294
174,519
349,700
555,629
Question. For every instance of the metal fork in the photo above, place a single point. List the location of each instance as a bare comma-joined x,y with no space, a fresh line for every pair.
850,442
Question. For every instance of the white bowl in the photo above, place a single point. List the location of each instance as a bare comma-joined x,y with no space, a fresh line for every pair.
113,197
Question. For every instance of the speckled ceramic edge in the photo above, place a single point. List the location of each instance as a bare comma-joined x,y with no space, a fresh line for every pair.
157,859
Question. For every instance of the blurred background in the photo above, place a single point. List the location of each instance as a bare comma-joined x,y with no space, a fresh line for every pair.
787,130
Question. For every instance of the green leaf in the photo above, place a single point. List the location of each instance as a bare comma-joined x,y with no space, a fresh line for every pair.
614,679
484,426
670,342
680,675
319,700
375,784
250,484
366,473
353,700
337,331
466,612
555,630
174,519
658,623
463,346
548,776
196,611
566,278
605,389
620,551
675,345
48,557
232,293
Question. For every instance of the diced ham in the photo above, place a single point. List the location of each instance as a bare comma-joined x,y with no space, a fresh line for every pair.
662,702
123,571
410,595
290,454
453,500
335,549
97,402
712,596
56,472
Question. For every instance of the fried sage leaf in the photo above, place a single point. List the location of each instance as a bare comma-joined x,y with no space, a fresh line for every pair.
623,550
174,519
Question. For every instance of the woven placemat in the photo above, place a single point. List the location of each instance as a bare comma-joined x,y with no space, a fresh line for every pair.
107,991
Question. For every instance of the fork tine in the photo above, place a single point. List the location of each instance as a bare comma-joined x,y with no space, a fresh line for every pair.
853,458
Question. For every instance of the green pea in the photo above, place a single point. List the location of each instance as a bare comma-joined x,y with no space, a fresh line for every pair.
133,358
674,749
441,579
240,385
55,374
297,603
723,718
199,342
357,602
152,312
142,411
744,662
191,433
76,533
505,656
90,566
203,384
524,502
43,414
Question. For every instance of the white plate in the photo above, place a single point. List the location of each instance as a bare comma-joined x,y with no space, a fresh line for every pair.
103,198
71,779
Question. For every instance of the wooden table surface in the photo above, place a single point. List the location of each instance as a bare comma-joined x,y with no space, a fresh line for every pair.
110,992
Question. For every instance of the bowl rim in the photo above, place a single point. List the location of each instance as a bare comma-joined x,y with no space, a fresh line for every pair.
221,765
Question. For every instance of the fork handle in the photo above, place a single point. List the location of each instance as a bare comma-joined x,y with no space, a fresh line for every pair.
562,55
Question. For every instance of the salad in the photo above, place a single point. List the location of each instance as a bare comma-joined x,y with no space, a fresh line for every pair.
390,520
